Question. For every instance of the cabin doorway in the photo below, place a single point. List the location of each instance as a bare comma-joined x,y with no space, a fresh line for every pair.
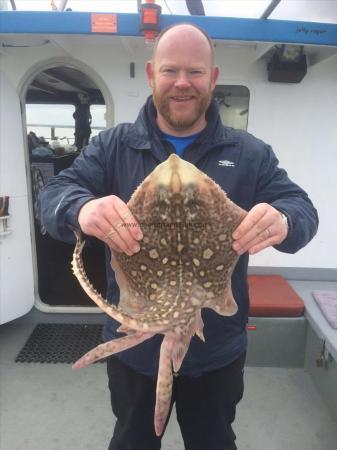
64,110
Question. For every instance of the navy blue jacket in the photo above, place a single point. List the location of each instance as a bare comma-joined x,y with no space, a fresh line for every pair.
117,161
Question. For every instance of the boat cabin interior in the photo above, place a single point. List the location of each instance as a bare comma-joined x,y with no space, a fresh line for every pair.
72,95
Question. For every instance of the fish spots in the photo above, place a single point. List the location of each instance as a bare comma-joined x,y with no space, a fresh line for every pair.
153,253
196,262
208,253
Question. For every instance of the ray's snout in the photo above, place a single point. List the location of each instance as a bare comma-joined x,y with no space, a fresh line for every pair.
175,182
175,174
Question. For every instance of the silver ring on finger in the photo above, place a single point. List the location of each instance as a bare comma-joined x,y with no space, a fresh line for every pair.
111,233
126,216
119,224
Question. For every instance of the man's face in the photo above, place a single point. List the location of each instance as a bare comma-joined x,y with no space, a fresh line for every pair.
182,78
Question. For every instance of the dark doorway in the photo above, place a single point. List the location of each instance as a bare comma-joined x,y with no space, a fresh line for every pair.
64,108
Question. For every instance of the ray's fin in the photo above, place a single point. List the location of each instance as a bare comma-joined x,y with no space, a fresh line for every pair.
110,348
224,305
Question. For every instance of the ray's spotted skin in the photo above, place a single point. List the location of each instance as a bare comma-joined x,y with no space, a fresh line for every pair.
185,264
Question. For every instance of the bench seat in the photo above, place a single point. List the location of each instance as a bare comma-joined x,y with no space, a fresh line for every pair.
277,326
314,315
272,296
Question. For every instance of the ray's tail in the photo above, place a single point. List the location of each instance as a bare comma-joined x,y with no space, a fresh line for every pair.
101,302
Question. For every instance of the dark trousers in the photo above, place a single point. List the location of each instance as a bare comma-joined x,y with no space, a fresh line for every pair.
205,407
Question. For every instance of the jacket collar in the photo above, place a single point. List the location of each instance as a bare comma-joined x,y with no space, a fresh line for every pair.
145,134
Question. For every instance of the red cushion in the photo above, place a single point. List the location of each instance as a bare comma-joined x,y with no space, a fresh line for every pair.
272,296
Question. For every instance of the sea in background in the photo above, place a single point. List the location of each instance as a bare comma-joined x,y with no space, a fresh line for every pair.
42,119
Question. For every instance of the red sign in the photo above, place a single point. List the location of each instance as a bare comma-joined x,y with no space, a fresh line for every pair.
103,23
150,16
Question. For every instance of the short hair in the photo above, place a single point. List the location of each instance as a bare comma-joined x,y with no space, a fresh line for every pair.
169,27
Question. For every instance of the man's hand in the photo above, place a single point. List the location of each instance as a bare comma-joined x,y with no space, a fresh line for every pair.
262,227
110,220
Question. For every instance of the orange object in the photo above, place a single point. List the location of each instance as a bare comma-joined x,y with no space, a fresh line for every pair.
149,20
104,23
150,16
272,296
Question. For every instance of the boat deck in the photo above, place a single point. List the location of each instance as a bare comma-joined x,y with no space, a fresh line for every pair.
49,406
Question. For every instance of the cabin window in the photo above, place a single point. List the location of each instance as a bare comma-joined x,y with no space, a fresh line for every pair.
233,104
58,124
51,122
98,122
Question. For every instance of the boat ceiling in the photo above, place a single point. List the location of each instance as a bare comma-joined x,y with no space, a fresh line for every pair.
63,85
324,11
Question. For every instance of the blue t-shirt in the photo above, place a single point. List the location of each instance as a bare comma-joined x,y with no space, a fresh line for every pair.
180,143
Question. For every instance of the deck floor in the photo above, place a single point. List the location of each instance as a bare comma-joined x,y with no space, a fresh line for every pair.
49,406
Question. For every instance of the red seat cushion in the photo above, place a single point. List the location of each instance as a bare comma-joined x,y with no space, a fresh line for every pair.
272,296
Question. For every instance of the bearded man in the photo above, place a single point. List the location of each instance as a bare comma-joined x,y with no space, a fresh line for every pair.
91,195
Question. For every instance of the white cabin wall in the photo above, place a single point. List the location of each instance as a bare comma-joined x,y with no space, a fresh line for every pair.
298,120
112,61
19,61
16,265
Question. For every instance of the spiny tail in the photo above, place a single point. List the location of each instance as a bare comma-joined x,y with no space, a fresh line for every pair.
164,386
79,272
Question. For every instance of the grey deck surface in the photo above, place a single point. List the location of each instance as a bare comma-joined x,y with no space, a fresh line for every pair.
51,407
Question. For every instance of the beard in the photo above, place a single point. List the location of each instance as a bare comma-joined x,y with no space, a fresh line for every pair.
181,122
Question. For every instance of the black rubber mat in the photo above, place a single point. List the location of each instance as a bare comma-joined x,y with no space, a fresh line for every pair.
59,343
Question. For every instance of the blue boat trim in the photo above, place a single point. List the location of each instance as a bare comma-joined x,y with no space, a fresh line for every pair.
226,28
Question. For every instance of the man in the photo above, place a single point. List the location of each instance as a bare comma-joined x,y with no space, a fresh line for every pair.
83,120
91,195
